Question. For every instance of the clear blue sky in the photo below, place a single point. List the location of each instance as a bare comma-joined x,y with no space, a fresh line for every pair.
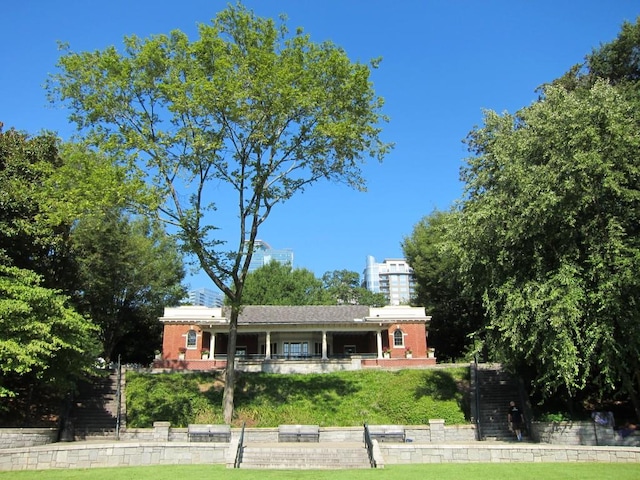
444,61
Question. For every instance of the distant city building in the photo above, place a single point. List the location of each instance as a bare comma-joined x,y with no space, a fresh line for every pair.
394,278
263,254
205,298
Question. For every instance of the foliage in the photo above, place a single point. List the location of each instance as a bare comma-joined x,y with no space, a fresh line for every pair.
268,400
343,287
432,250
550,230
26,239
244,111
130,269
44,343
280,284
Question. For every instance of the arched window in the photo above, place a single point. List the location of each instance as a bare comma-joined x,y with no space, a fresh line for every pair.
191,339
398,338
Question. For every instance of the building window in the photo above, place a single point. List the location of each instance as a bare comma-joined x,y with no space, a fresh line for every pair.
398,338
192,339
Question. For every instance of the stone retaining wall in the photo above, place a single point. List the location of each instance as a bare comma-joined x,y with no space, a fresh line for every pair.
580,433
488,452
117,454
26,437
93,454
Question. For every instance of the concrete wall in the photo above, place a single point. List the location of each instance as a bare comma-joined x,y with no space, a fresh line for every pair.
26,437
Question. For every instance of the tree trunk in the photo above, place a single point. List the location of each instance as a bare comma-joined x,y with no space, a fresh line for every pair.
230,372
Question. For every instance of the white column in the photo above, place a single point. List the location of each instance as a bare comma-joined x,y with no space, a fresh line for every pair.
379,343
324,345
212,345
267,347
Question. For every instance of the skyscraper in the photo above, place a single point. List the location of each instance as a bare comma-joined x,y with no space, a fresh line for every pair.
205,297
393,277
263,254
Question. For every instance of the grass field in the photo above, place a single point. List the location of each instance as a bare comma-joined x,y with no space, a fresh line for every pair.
481,471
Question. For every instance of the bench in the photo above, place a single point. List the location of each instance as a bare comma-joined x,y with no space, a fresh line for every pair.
298,433
209,433
387,433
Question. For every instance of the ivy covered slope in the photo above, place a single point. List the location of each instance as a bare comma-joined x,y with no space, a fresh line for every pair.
408,397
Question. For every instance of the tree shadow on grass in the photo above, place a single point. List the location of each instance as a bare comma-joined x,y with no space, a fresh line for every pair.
442,386
283,389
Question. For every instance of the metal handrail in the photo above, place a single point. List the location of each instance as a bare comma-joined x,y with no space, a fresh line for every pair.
369,444
238,460
477,399
118,398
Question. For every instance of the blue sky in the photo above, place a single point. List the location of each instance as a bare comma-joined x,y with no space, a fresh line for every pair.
444,61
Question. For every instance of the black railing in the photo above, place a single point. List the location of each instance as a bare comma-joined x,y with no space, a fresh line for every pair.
476,388
118,397
369,444
238,460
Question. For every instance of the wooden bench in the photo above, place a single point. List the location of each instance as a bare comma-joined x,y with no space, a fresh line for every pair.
209,433
387,433
298,433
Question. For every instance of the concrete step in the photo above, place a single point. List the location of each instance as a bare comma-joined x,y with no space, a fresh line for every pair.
297,456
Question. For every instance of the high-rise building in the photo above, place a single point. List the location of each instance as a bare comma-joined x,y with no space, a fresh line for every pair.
393,277
205,297
263,254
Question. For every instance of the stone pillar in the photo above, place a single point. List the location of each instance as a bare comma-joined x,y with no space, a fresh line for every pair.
324,345
436,427
379,343
267,346
161,431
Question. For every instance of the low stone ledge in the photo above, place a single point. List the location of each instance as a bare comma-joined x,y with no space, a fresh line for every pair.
26,437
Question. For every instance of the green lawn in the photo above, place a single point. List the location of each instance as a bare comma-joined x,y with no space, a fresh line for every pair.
340,399
482,471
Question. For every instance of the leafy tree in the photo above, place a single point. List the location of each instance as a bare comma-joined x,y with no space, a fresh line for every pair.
344,287
455,306
27,241
280,284
244,110
129,270
550,230
45,345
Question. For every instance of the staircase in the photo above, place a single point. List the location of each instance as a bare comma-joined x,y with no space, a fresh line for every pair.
496,389
94,410
297,456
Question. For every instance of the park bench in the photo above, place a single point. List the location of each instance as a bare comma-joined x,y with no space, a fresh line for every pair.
298,433
387,433
209,433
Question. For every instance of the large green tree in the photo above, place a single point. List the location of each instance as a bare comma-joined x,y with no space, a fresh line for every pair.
27,239
344,288
455,306
280,284
45,345
551,231
129,269
234,122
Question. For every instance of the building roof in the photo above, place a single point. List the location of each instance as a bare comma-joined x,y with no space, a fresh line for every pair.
295,315
252,314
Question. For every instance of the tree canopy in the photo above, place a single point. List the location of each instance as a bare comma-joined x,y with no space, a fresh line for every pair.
280,284
45,345
456,310
245,115
546,234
